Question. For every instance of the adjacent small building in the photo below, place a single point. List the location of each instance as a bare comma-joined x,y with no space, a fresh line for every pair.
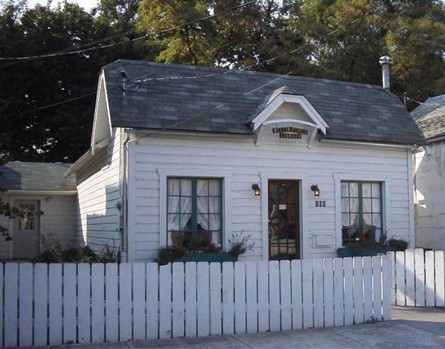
190,156
429,166
48,203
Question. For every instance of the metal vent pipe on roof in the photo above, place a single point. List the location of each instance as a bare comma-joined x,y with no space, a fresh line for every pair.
385,62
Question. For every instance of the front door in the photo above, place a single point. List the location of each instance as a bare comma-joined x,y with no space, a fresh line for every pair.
284,219
26,239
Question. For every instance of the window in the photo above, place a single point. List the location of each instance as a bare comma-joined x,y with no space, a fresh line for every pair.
27,220
194,214
361,211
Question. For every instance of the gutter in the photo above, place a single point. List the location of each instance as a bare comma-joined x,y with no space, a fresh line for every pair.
367,144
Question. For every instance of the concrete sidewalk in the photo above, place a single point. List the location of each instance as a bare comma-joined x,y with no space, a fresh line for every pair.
409,328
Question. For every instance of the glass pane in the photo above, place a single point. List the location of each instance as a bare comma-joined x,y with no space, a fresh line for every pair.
214,204
186,205
176,237
203,222
366,220
353,205
366,205
376,190
186,187
28,221
173,186
345,219
186,222
353,220
203,204
173,204
344,190
376,220
173,222
353,190
214,187
345,205
376,205
202,187
366,189
214,222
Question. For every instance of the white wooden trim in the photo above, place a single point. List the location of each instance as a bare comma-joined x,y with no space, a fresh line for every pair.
226,177
364,144
38,192
409,158
279,121
286,98
265,176
386,202
131,202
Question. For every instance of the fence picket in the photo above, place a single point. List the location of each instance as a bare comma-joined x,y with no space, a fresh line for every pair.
328,292
386,283
152,287
11,299
69,303
228,305
83,302
252,296
165,301
297,308
111,302
358,289
429,279
263,296
139,303
55,305
377,287
40,304
125,309
410,278
419,260
440,277
203,294
285,294
348,291
367,288
178,299
338,292
307,291
97,302
25,304
274,295
2,286
400,278
317,265
190,299
215,299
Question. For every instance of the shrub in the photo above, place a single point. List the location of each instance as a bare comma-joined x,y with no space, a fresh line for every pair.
398,244
169,254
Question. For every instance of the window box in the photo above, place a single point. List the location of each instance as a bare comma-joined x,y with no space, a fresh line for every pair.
207,257
363,251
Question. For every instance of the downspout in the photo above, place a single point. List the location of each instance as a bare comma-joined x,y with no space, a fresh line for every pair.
124,197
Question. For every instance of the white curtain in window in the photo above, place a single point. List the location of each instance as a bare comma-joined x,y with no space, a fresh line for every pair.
179,208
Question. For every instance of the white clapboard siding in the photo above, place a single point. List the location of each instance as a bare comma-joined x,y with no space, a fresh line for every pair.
419,278
97,303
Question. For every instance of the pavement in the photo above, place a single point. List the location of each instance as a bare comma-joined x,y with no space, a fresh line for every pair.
409,327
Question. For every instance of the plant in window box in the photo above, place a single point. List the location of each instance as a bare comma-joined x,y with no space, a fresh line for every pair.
240,244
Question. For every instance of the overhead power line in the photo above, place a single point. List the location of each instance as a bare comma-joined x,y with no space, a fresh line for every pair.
84,50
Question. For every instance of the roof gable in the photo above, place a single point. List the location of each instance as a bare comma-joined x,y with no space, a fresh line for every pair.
430,117
101,132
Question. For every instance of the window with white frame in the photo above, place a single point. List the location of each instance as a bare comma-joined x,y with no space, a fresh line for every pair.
361,211
194,212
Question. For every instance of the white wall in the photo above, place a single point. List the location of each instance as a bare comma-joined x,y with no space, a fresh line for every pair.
98,194
430,196
58,219
241,163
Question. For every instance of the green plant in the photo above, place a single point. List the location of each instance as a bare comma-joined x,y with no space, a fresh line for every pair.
398,244
109,255
240,244
169,254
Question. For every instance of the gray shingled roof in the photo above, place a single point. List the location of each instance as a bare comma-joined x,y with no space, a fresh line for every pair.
36,176
354,112
430,117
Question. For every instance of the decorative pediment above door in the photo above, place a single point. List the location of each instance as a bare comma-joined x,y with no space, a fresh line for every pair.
287,118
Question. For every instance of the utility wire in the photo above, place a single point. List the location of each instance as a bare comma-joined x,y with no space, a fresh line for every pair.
58,54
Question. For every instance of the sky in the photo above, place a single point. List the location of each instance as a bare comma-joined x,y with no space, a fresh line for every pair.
87,4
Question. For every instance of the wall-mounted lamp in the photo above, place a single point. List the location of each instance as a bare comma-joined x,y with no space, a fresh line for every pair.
315,190
256,188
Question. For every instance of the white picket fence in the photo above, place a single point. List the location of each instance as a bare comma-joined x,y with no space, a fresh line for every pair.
67,303
419,278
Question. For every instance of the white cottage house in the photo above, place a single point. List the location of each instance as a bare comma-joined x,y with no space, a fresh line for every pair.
48,201
429,165
183,153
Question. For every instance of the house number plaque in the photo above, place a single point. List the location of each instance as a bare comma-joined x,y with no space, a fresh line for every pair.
320,203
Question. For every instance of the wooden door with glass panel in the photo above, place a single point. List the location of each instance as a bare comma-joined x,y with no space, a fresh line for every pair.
26,241
284,219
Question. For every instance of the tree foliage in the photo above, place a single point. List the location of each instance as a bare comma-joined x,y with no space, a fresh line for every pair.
337,39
